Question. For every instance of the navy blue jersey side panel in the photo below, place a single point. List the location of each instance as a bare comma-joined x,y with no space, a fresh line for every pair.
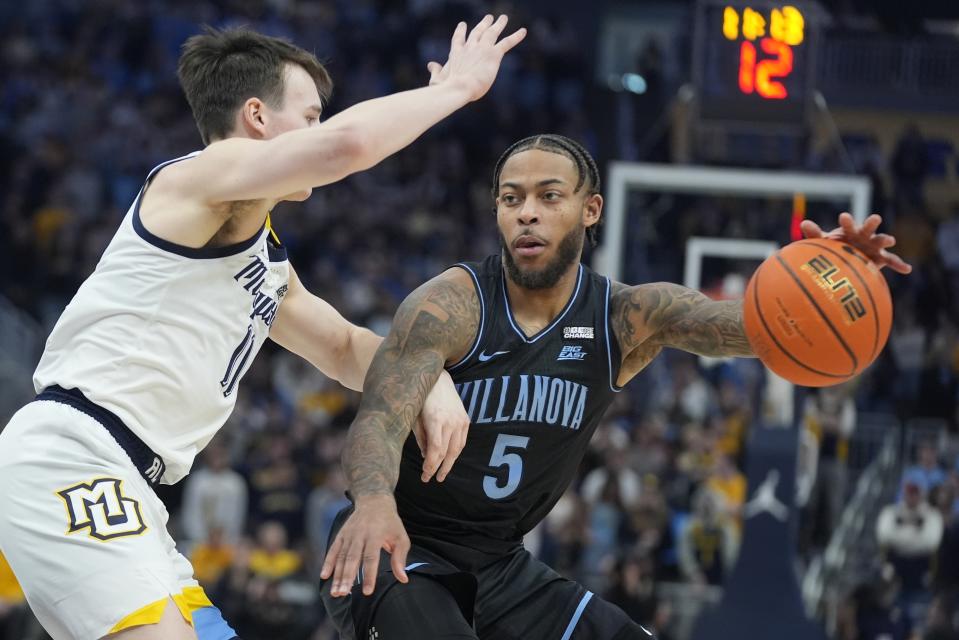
613,353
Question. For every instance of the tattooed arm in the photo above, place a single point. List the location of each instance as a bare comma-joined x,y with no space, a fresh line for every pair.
648,317
434,326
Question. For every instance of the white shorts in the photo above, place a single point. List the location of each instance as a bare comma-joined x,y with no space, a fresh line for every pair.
83,531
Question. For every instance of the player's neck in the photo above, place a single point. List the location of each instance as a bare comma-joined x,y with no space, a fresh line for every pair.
539,307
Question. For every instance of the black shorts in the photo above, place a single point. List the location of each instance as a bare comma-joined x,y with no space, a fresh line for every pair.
514,598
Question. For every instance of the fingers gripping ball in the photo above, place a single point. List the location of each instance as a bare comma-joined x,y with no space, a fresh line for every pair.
817,312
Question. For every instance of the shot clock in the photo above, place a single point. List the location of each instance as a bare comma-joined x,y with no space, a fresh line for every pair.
753,62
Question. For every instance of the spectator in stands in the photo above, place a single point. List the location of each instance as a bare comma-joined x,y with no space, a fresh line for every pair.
909,532
871,612
907,343
214,497
942,622
649,533
271,558
277,487
830,415
606,521
732,420
926,471
14,614
211,558
806,467
910,166
648,452
615,470
947,243
915,240
939,381
729,483
708,545
633,589
947,559
694,396
698,456
322,505
268,596
564,536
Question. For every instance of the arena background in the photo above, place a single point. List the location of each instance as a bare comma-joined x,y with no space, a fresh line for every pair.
656,519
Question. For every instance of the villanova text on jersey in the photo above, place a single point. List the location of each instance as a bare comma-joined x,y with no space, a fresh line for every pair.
534,403
524,398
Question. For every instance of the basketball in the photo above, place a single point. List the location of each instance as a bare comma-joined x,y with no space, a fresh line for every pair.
817,312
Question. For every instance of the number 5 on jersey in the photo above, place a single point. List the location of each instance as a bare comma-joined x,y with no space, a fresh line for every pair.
512,461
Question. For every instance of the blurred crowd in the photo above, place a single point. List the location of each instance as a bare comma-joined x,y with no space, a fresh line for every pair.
88,109
913,590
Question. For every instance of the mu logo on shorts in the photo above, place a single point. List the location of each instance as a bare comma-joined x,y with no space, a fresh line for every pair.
101,507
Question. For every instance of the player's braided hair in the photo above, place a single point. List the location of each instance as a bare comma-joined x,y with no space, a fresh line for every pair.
554,143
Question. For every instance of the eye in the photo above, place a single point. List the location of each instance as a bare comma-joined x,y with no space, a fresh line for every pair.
509,198
552,195
311,120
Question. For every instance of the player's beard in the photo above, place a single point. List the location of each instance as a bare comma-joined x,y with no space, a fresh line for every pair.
567,254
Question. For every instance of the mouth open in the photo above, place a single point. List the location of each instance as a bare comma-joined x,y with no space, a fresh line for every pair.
528,245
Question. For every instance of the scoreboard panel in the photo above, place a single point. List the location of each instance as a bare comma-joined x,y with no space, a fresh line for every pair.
753,62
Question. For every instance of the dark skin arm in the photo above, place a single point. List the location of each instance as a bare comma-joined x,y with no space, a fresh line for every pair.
434,326
647,317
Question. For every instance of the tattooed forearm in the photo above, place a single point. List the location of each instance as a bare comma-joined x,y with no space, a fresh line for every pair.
671,315
435,321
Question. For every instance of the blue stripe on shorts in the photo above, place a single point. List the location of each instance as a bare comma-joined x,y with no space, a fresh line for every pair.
209,624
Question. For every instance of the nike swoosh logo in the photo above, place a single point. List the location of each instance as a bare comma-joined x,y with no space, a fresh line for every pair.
483,357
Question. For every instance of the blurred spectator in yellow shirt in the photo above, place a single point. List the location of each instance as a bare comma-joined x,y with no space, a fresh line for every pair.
13,604
727,482
211,558
271,558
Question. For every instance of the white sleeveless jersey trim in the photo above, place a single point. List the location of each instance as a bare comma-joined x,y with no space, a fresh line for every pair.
161,334
200,253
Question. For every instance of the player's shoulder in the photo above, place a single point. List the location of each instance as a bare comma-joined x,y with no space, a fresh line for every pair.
450,294
453,287
188,175
456,275
623,296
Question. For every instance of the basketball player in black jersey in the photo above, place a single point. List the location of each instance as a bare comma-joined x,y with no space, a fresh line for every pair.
538,345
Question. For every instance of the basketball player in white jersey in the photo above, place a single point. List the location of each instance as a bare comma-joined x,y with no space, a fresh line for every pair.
142,368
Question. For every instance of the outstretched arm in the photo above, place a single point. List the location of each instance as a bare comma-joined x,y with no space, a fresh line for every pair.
648,317
239,169
664,314
435,325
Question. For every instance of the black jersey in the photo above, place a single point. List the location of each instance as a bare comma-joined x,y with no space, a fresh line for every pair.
534,403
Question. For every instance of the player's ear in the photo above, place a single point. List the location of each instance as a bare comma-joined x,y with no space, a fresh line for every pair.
592,209
253,118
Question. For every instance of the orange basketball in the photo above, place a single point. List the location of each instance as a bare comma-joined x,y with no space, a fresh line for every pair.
817,312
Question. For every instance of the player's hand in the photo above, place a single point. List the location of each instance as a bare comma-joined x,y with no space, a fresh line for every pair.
474,60
441,429
373,525
864,238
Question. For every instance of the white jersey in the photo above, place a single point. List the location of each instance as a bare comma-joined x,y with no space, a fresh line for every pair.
161,334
